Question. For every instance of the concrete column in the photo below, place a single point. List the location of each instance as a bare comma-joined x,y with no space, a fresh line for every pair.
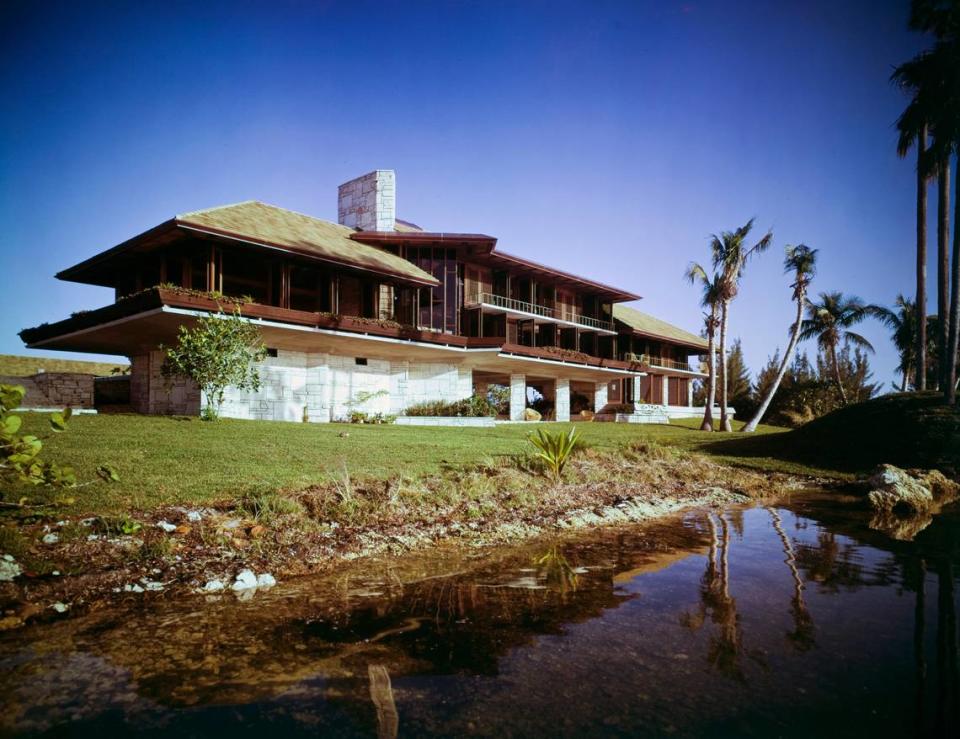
690,394
562,399
518,396
666,390
637,390
599,396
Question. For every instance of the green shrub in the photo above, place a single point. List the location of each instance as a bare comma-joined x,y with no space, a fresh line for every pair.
555,449
476,406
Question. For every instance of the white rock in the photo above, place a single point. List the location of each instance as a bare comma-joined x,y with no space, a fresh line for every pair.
214,586
166,526
193,516
55,573
50,538
266,580
128,588
9,569
92,537
62,523
60,607
245,580
153,585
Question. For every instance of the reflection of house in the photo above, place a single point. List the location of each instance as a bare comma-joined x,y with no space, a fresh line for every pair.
373,306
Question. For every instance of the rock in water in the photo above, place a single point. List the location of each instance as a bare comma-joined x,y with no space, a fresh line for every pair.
245,580
894,490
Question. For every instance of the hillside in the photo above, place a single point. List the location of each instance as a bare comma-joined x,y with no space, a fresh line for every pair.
12,365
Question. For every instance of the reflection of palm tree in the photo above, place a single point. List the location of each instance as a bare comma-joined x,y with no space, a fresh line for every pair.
948,695
920,662
558,570
802,636
715,600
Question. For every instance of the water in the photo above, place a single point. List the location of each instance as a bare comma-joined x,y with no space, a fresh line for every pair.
796,620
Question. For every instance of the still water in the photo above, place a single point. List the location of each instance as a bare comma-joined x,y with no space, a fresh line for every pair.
794,620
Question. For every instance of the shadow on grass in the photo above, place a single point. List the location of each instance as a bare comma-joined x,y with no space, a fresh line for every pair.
907,430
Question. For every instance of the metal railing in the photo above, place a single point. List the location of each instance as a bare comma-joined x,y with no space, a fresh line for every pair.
658,362
522,306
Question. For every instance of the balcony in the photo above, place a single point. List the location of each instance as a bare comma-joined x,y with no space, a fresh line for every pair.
520,308
661,363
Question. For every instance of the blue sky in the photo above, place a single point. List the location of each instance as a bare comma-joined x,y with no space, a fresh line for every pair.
604,138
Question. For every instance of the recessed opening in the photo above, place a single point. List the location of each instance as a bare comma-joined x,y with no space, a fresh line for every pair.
360,360
271,352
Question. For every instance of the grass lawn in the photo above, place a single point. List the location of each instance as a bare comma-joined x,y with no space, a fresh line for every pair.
163,460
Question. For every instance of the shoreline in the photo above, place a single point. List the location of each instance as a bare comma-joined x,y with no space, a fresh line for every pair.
71,564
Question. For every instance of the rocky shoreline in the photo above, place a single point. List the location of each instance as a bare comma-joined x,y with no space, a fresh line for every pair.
55,564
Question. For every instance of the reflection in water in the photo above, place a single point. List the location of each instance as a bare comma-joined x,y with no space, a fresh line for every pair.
802,636
619,632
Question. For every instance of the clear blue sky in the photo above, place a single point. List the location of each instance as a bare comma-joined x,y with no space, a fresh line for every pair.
605,138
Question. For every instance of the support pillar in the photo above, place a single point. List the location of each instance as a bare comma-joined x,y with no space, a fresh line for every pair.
666,390
518,396
637,390
561,400
599,396
690,393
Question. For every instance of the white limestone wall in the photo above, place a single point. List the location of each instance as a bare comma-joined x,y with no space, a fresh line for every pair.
518,396
561,400
369,202
331,386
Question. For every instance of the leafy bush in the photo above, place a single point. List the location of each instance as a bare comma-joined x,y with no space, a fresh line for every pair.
476,406
20,454
555,449
217,353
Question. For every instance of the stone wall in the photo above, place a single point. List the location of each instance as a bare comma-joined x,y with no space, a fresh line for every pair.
66,388
331,386
151,392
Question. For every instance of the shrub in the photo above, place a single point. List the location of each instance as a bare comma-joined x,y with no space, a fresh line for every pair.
20,454
555,449
476,406
217,353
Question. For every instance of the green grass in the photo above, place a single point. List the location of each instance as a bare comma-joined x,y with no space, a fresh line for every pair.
163,460
16,366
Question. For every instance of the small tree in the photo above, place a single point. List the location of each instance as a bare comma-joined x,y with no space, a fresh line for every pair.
220,351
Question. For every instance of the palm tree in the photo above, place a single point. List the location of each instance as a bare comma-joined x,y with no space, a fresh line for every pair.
801,260
710,298
829,322
933,77
923,77
730,256
903,323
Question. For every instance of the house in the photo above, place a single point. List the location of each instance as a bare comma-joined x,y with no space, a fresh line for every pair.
375,312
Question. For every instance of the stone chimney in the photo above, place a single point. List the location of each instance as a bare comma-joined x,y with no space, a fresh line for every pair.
369,202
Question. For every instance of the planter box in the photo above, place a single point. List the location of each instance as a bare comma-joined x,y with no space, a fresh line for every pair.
466,421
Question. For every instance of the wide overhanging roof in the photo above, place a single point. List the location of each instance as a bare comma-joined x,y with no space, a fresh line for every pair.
482,249
647,325
266,226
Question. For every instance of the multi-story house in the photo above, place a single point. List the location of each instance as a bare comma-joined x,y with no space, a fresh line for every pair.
374,310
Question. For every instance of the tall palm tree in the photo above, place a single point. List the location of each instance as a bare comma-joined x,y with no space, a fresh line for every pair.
730,256
934,79
923,78
801,260
711,292
913,126
903,323
829,322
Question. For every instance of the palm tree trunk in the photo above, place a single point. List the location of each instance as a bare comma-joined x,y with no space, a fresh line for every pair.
794,337
904,381
725,424
707,424
943,267
836,374
921,351
951,388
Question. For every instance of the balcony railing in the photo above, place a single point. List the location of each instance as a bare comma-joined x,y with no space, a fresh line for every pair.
659,362
522,306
